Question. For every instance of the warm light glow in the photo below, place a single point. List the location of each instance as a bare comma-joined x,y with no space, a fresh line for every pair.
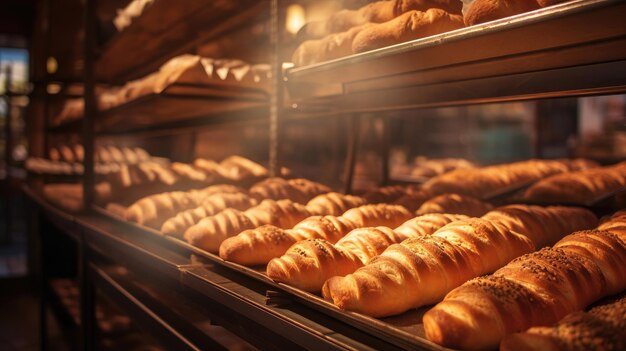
52,65
295,18
53,88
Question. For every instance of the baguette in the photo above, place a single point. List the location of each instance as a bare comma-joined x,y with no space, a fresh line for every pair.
536,289
260,246
297,190
602,328
333,204
409,26
176,226
309,263
455,203
421,270
413,200
386,194
209,233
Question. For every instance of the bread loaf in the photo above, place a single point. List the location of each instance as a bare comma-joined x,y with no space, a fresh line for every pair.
190,173
543,225
308,189
153,210
409,26
534,290
210,232
480,11
602,328
386,194
297,190
455,203
413,200
177,225
260,246
421,270
376,12
580,187
309,263
331,47
333,204
377,215
479,182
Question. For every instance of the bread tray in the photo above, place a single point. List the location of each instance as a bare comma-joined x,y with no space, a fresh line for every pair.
405,330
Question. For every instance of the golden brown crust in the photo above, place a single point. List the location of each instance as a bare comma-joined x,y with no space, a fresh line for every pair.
209,233
334,204
176,226
378,215
535,289
333,46
413,200
456,204
409,26
386,194
153,210
481,11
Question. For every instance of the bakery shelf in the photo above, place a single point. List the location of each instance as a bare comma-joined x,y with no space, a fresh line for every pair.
168,28
172,108
576,48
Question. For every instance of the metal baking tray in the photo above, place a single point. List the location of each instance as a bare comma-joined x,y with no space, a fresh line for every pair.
404,330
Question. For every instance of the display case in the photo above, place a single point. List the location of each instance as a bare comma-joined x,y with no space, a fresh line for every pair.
337,122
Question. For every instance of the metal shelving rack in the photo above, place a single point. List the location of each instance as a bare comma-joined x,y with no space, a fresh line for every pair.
165,280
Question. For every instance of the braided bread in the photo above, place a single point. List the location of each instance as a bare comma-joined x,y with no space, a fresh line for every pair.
309,263
210,232
602,328
455,203
176,226
260,246
536,289
421,270
333,204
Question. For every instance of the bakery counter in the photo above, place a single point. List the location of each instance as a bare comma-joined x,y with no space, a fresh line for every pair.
516,60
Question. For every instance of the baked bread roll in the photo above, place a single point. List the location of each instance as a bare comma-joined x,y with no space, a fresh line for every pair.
238,167
536,289
209,233
376,12
333,204
377,215
189,172
386,194
331,47
421,270
309,263
479,182
297,190
153,210
177,225
413,200
210,168
543,225
260,246
409,26
580,187
602,328
455,203
480,11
